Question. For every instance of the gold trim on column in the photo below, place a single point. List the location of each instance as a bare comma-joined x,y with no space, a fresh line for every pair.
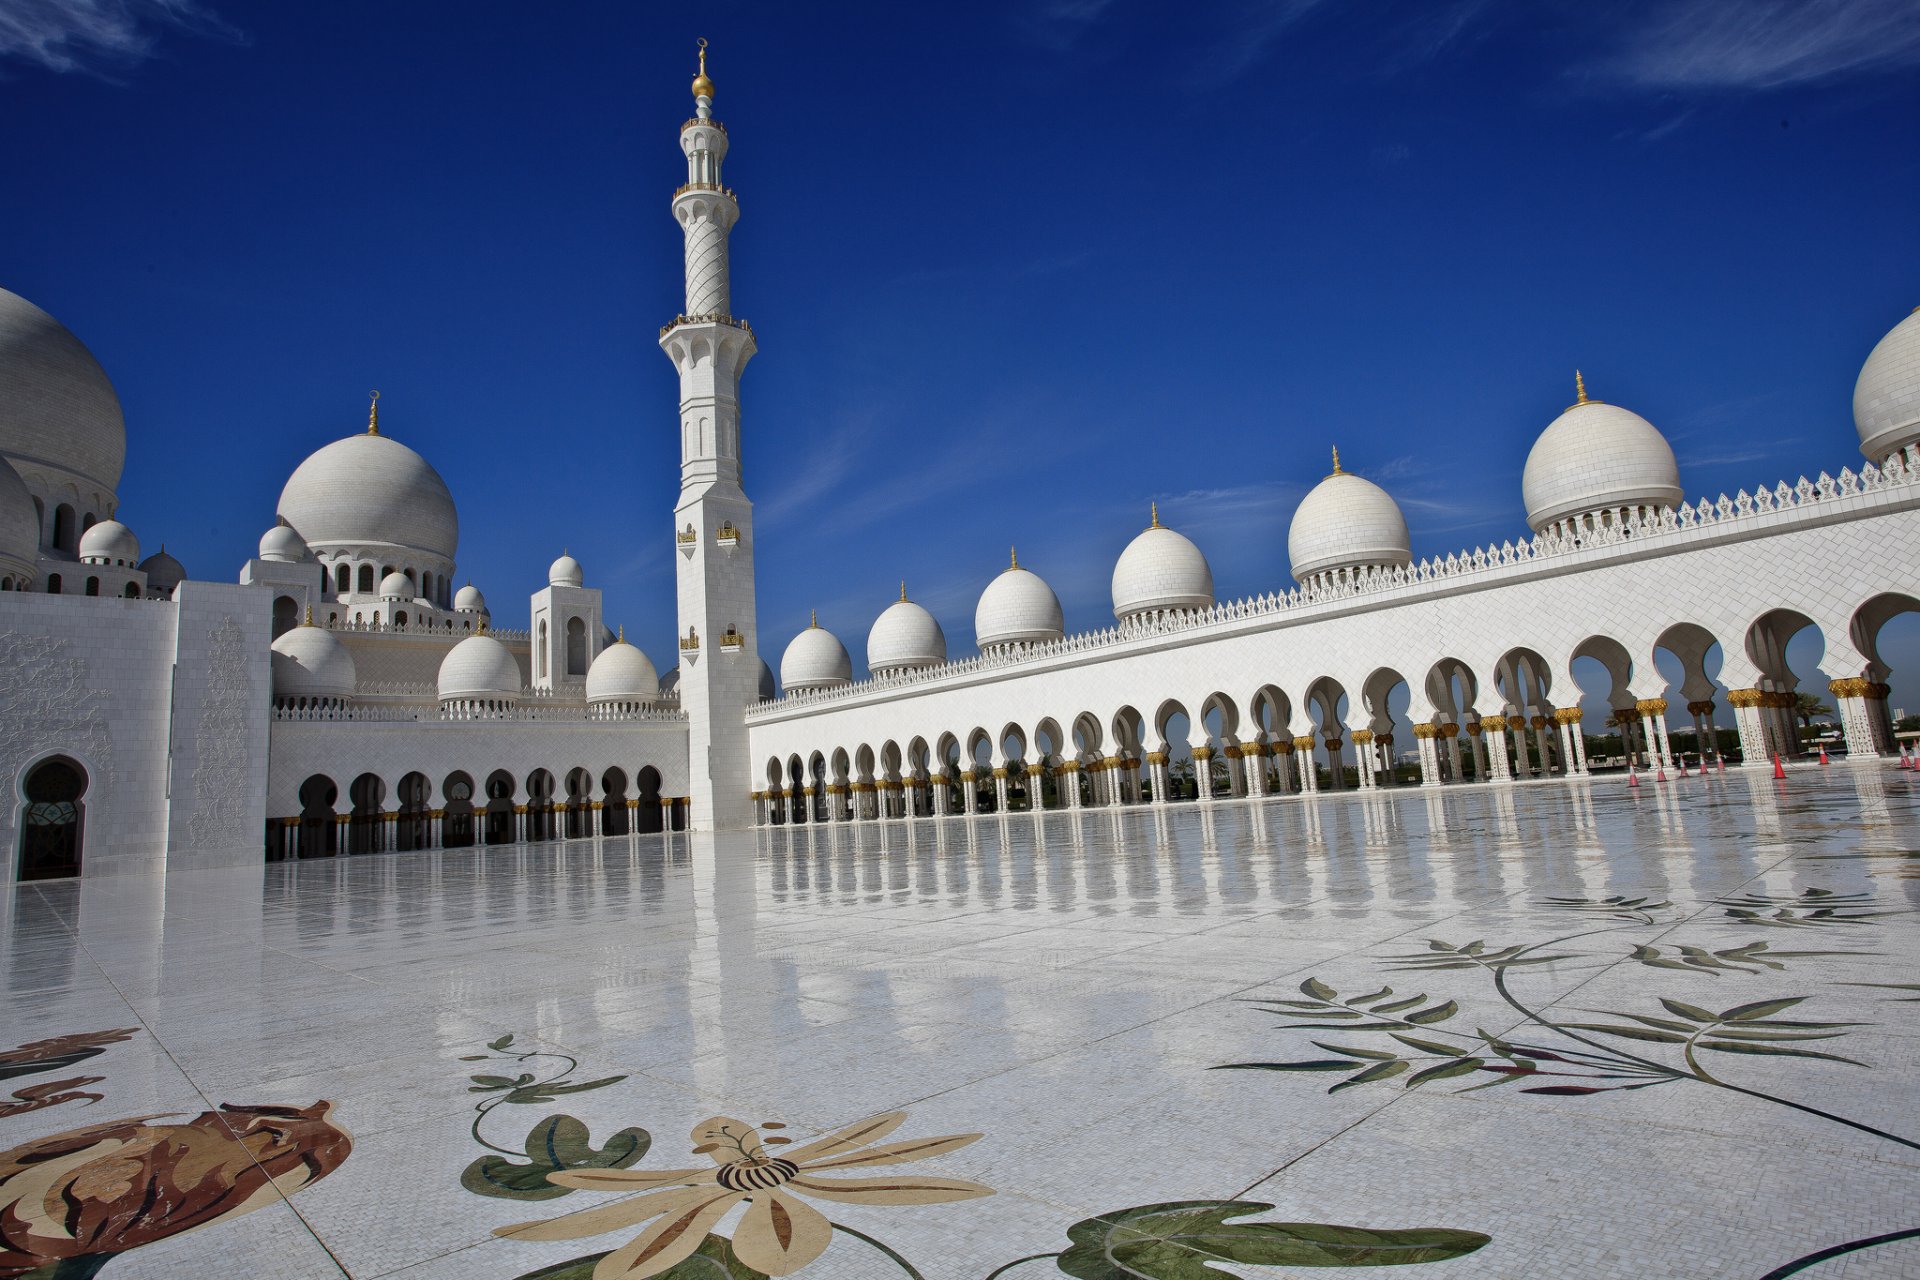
1651,706
1855,687
1567,715
1492,724
1304,742
1425,731
1362,737
1746,697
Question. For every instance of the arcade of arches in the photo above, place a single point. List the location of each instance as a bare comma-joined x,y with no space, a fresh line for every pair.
1521,719
371,815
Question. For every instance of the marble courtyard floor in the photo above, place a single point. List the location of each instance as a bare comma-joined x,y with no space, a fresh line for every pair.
1541,1031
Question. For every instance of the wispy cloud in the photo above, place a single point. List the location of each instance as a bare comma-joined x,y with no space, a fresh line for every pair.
1765,44
98,36
1060,24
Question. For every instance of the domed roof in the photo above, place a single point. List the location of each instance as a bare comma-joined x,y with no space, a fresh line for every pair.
479,667
815,660
368,489
767,687
282,544
1160,569
469,600
565,572
1886,399
1598,457
1017,607
310,662
57,407
1346,522
622,674
164,573
905,635
19,525
396,586
110,541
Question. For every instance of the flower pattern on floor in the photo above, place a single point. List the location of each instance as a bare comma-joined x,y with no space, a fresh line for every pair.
71,1202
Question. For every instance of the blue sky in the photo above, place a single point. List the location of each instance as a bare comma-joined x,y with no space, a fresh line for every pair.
1016,269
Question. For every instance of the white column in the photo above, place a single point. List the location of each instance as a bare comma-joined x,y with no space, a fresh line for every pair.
1303,761
1494,733
1203,774
1855,717
1748,721
1069,781
1426,738
1363,758
1253,768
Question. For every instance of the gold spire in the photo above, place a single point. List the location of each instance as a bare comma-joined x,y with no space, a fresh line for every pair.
1336,461
703,87
1013,558
309,622
903,591
483,625
1579,388
623,633
373,414
813,619
1155,507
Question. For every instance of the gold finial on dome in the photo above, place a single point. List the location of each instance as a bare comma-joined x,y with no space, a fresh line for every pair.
903,591
623,633
1336,461
813,619
309,622
373,414
1013,558
1579,387
1155,508
703,87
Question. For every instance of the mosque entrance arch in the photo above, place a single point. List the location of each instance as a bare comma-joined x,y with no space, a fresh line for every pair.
646,787
51,821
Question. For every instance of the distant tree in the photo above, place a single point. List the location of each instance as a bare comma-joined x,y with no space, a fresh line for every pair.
1808,708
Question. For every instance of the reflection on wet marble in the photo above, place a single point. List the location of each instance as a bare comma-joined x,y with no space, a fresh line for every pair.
1065,986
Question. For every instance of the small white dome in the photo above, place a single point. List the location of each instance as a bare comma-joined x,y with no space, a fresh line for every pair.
815,660
110,542
57,407
469,600
1598,457
164,573
1161,569
19,525
767,687
283,545
1346,522
479,667
310,662
565,572
1017,607
622,674
396,586
369,490
905,636
1886,399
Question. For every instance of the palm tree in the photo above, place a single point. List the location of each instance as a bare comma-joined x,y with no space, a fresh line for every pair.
1808,707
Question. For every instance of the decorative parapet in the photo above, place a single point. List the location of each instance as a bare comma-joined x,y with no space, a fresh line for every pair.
1646,532
713,187
711,317
445,629
530,711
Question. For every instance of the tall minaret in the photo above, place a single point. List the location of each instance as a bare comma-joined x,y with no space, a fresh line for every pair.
713,521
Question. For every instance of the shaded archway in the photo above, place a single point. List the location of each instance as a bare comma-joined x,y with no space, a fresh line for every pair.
646,789
457,812
1385,695
579,810
52,820
1782,643
540,823
365,826
615,820
318,835
500,815
410,822
1327,708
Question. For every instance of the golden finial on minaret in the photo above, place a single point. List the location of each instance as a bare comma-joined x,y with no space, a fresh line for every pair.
1013,557
373,414
813,618
1336,461
1155,508
1579,388
903,591
703,87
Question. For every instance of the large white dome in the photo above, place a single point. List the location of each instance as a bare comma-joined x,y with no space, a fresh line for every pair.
1161,569
905,636
1886,399
1346,522
1018,607
19,527
479,667
815,660
622,674
1598,457
310,662
369,490
57,408
110,542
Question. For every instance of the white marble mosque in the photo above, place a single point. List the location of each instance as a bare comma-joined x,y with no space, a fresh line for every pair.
345,695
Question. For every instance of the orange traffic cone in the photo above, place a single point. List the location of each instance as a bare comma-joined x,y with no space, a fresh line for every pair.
1719,763
1779,770
1823,754
1633,775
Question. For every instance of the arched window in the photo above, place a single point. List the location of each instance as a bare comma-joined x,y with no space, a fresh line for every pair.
65,537
540,649
342,579
53,584
132,592
366,579
576,647
400,618
93,586
285,615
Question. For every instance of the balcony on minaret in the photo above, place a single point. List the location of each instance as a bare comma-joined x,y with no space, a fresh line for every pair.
690,642
727,535
732,641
